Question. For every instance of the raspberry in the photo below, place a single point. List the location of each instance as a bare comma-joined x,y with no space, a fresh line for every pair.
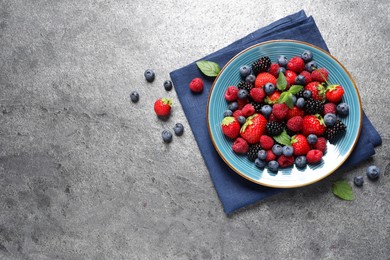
329,108
257,94
280,111
231,93
285,161
296,64
266,142
270,156
295,123
313,156
240,146
273,69
320,144
295,111
196,85
242,103
307,76
248,110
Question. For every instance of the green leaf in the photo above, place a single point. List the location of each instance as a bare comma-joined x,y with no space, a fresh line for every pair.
289,102
283,138
281,83
343,190
208,68
294,89
286,97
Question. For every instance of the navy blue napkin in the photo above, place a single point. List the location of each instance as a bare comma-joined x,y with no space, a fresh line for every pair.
234,191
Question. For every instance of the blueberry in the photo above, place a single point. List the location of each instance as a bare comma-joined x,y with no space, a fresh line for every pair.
307,55
241,120
330,119
342,109
266,110
245,71
282,69
260,163
166,136
282,61
269,88
288,150
178,129
307,94
358,181
134,96
300,80
277,149
149,75
168,85
273,166
373,172
233,106
250,78
294,99
262,154
227,112
312,138
311,65
300,102
243,94
300,161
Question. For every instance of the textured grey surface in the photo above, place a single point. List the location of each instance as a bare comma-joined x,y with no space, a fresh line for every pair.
84,173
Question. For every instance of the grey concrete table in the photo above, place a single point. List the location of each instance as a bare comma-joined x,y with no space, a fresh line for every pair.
84,173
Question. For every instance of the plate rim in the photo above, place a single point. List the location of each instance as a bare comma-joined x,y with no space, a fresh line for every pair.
296,42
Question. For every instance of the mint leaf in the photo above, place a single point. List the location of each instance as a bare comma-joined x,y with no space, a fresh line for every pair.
286,97
283,138
289,102
281,83
208,68
343,190
294,89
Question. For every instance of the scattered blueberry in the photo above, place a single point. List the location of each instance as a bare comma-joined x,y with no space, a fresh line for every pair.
342,109
149,75
243,94
373,172
273,166
311,65
168,85
241,120
134,96
307,94
282,61
262,154
300,102
282,69
358,181
330,119
312,138
245,71
300,80
307,55
250,78
166,136
266,110
269,88
227,112
233,106
277,149
300,161
288,150
178,129
260,163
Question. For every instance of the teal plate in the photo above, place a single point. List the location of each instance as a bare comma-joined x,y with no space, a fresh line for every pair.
289,177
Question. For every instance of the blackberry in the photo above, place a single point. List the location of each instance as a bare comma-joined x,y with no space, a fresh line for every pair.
253,151
261,65
257,106
300,93
245,85
274,128
335,131
313,106
290,132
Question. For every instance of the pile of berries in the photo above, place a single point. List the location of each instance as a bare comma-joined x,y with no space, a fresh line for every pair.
284,112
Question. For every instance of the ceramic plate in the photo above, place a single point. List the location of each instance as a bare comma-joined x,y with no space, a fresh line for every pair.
289,177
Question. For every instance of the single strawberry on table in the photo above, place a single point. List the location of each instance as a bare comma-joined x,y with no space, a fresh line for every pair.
254,127
162,107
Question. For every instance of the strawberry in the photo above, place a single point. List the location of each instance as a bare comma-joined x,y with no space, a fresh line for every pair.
313,156
230,127
264,77
329,108
196,85
270,156
320,144
300,144
266,142
254,127
296,64
320,75
317,90
231,93
240,146
162,107
307,76
280,111
273,69
334,93
237,113
313,124
290,77
295,111
295,123
285,161
257,94
273,98
248,110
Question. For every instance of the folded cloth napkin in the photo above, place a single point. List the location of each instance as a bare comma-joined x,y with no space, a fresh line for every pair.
234,191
